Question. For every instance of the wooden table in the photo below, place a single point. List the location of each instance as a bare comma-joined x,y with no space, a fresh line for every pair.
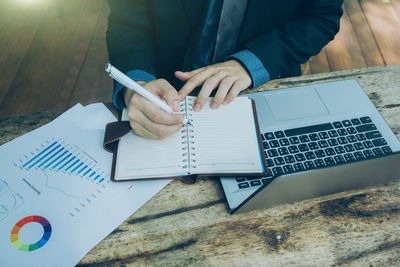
191,225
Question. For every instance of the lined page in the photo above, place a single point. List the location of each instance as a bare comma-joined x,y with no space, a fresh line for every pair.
226,139
138,157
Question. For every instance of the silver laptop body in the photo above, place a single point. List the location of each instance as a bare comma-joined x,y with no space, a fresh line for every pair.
318,140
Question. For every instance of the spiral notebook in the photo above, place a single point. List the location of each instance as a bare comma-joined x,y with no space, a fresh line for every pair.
222,142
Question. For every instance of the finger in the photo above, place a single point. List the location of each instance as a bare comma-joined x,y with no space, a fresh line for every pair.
139,130
186,75
159,130
209,85
196,80
139,104
167,92
224,86
237,87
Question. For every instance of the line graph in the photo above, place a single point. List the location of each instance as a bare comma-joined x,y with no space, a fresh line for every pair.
9,200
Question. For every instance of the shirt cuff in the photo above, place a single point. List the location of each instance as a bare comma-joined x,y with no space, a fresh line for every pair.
253,65
136,75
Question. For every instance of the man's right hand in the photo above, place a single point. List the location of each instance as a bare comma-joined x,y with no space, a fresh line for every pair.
146,118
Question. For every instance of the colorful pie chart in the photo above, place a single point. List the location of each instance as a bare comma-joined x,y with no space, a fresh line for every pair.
34,246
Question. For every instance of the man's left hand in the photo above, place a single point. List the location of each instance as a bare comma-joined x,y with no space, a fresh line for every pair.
229,78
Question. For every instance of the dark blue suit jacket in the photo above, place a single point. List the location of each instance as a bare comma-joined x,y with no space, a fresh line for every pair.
159,36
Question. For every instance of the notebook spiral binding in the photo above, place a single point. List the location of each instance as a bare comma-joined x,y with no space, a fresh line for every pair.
188,138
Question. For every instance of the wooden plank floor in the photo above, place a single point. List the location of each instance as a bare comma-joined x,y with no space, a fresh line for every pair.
53,52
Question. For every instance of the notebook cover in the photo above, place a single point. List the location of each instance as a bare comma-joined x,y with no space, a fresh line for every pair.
115,130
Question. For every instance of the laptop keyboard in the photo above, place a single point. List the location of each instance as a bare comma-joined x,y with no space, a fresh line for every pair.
318,146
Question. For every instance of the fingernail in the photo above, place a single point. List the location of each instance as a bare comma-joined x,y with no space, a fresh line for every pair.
180,97
196,107
225,102
214,105
181,119
176,104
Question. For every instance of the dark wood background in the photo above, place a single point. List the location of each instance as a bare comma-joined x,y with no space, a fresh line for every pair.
53,52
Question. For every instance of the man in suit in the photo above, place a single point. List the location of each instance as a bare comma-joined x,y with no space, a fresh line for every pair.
211,47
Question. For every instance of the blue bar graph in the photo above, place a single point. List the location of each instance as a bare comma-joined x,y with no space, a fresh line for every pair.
80,164
57,155
54,160
75,162
66,163
82,169
38,155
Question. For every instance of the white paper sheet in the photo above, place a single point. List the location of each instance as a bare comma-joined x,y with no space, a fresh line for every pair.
60,174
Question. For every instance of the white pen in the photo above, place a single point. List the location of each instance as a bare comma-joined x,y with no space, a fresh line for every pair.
132,85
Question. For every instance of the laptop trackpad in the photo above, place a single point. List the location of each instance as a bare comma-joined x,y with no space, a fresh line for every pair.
295,104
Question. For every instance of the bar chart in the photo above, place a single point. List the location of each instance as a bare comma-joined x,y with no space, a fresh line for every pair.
56,155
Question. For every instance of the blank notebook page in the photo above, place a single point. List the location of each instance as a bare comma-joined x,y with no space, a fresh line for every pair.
138,157
225,139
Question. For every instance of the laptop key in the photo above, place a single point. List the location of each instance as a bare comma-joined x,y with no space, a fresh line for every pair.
373,135
368,153
340,150
342,140
255,183
329,161
319,163
283,151
279,161
366,128
310,155
313,146
288,169
304,138
337,124
365,120
320,153
294,140
272,153
274,143
309,165
351,138
309,129
279,134
349,157
323,144
333,142
330,151
368,144
333,133
387,150
351,130
300,157
361,137
265,181
243,185
378,152
293,149
289,159
358,146
349,148
359,155
269,136
277,171
342,132
270,173
346,123
379,142
323,135
251,178
284,142
339,159
298,167
313,137
240,179
355,121
303,147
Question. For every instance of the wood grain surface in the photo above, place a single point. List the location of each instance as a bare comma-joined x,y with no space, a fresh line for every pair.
189,225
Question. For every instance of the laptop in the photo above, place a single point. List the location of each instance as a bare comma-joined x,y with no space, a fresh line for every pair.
318,139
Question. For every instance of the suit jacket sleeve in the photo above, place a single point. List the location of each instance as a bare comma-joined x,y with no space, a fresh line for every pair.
129,36
304,35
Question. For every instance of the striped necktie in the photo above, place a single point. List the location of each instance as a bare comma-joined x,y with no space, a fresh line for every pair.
230,23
